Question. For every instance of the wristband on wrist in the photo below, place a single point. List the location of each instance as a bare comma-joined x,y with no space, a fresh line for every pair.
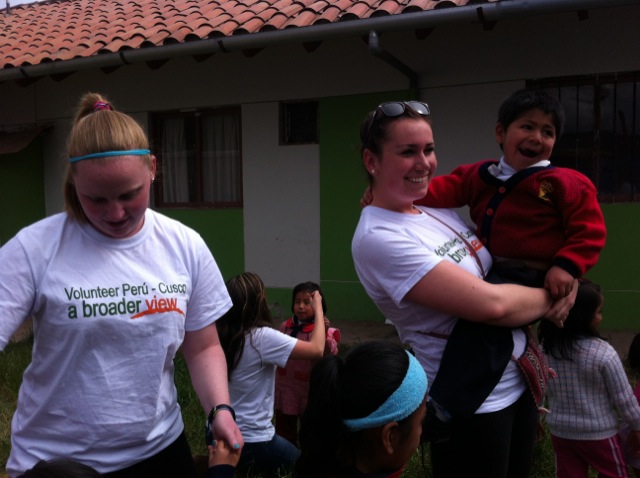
217,408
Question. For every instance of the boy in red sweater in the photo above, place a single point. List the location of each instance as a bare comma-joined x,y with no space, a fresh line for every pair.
535,218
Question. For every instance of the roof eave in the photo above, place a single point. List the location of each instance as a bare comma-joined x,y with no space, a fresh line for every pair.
485,13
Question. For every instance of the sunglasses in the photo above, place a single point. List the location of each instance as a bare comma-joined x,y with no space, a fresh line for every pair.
393,109
397,108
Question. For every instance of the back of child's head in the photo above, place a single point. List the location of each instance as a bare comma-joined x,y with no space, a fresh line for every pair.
526,100
560,342
249,310
307,287
633,356
353,387
60,468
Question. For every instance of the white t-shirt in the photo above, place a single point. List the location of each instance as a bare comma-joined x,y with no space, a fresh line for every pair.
253,381
392,251
109,317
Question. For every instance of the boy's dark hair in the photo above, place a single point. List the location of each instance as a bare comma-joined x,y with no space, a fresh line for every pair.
308,287
560,342
524,100
60,468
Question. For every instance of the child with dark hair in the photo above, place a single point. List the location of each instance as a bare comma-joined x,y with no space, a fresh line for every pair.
292,381
542,224
253,349
589,394
633,359
365,413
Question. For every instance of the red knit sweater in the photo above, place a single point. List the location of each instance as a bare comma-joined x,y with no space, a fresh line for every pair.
545,214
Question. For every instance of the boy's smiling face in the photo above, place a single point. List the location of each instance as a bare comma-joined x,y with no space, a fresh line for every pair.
528,140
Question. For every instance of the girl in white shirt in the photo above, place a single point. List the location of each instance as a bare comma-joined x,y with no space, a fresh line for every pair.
254,349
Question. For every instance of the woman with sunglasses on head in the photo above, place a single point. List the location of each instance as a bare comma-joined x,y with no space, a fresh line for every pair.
424,268
115,290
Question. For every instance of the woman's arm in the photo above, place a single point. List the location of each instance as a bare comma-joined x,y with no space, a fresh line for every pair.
453,290
314,348
208,370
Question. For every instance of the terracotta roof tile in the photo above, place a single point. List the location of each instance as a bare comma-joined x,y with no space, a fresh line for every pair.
58,30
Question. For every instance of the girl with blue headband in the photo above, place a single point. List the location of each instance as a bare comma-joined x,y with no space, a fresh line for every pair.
365,413
115,290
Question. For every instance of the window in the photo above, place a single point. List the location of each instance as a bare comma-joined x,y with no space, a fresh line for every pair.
602,131
299,122
199,159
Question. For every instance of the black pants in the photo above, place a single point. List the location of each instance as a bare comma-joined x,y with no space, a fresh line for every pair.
175,461
490,445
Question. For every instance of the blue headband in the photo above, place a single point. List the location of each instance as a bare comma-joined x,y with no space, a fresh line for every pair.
104,154
402,403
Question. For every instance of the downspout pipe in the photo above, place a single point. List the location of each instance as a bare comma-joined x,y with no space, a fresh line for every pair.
377,51
486,12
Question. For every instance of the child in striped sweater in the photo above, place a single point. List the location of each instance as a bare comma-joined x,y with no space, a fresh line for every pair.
589,394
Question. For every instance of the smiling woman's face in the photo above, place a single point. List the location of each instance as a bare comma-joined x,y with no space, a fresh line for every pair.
114,193
405,165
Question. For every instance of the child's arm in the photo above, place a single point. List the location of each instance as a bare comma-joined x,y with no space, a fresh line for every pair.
314,348
583,223
616,382
448,190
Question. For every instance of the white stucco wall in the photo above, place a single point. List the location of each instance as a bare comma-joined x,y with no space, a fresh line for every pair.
281,201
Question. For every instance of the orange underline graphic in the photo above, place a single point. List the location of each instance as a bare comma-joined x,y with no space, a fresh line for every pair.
157,311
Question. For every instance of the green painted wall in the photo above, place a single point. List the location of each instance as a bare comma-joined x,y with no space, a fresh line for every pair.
222,230
617,269
21,189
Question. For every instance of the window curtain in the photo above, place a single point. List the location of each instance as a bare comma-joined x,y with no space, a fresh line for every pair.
175,177
221,162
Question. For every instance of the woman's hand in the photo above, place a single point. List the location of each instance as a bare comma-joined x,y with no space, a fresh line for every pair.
225,428
561,307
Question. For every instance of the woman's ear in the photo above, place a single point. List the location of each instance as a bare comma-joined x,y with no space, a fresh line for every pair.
369,160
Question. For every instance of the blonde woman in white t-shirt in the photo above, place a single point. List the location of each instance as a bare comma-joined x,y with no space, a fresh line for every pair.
115,290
